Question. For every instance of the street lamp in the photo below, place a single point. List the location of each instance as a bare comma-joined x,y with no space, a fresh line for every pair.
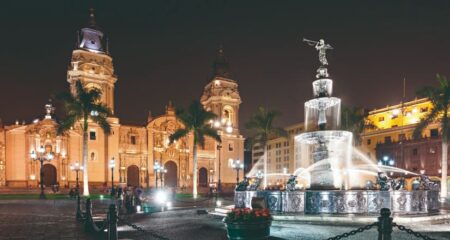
76,167
219,182
237,165
162,171
112,164
259,174
41,156
156,167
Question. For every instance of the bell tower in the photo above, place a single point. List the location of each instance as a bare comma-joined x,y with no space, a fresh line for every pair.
91,62
221,96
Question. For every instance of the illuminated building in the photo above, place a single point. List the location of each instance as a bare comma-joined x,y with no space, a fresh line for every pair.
135,148
391,141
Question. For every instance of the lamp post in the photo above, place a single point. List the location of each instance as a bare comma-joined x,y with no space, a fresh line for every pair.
112,164
219,182
237,165
156,168
76,167
211,173
41,156
162,171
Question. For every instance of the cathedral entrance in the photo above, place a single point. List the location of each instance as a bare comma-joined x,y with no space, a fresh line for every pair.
133,176
49,175
170,178
203,177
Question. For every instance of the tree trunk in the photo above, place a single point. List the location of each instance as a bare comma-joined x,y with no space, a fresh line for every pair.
444,163
85,158
265,165
194,172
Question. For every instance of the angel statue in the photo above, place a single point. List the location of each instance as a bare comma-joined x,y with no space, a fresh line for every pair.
321,47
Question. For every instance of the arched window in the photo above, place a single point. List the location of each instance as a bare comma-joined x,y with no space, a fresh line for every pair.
227,115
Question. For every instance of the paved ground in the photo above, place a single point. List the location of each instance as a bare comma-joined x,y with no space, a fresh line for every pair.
36,219
187,224
54,219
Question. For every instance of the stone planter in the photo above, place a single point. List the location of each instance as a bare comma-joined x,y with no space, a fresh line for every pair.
257,230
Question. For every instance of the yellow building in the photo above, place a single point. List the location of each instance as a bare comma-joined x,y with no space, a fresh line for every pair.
135,148
396,123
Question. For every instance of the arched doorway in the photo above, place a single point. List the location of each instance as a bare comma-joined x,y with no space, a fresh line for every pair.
133,176
170,178
203,177
49,175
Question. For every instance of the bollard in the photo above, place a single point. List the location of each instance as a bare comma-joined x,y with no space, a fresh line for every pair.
78,213
385,224
112,222
87,221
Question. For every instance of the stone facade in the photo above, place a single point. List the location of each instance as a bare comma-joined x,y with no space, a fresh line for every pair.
135,148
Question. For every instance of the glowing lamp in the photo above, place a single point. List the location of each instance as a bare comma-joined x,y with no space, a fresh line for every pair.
33,155
160,197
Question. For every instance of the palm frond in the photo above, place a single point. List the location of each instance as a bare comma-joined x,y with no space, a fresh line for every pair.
102,122
278,132
261,124
179,133
210,132
199,139
67,123
94,94
431,116
184,118
102,109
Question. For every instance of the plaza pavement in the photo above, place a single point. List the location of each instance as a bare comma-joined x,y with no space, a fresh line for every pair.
54,219
39,219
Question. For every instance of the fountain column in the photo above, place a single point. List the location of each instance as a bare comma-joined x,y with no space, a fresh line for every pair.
323,147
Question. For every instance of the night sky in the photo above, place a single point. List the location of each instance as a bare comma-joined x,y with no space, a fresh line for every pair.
163,50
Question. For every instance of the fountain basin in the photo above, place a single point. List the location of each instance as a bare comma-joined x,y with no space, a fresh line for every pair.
344,202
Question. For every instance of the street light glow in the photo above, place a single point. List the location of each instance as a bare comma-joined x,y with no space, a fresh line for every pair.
112,163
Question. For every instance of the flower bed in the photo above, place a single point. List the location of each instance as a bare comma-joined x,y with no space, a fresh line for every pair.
246,224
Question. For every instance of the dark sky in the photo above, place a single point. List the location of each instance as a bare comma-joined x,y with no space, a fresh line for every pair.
163,49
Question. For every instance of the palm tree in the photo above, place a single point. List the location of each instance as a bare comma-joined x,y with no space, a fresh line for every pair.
440,101
196,121
354,119
84,104
261,123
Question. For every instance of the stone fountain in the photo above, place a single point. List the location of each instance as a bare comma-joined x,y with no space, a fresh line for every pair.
329,149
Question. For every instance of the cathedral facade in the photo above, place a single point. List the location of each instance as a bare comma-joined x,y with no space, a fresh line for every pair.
135,149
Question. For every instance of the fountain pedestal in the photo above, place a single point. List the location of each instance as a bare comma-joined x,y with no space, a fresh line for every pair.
344,202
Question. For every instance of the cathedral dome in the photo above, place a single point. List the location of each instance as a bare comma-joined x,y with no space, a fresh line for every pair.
91,38
221,67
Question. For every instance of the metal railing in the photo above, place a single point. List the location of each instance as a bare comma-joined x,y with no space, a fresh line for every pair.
384,226
108,225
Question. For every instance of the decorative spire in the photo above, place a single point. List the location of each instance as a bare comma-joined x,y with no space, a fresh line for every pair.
221,67
169,108
49,109
92,22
